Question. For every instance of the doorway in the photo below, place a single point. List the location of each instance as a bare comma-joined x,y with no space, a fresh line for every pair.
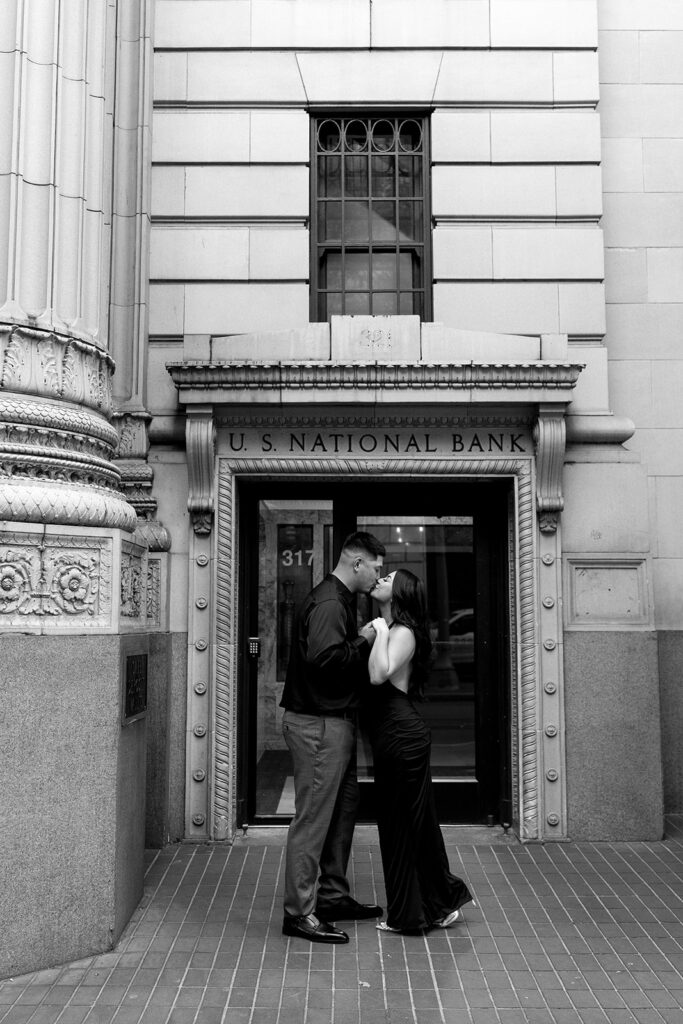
454,535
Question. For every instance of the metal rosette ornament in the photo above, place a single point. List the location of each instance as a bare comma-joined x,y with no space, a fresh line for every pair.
56,443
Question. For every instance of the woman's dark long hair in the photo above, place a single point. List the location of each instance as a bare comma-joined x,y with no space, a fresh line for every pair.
409,607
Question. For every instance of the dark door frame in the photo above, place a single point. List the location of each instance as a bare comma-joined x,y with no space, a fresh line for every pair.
487,499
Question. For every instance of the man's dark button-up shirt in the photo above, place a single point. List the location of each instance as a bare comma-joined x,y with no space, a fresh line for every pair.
327,668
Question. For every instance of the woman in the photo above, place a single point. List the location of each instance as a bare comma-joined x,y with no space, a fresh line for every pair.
421,891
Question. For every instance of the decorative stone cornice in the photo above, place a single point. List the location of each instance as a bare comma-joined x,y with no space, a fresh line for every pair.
376,420
300,376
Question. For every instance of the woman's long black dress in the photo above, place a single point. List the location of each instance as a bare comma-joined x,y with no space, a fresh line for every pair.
420,888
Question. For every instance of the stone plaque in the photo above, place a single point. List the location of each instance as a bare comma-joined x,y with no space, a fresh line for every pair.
389,338
607,593
134,688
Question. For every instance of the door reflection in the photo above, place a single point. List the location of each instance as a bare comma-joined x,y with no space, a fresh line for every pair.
440,550
295,539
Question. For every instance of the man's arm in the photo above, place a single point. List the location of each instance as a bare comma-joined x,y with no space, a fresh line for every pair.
328,646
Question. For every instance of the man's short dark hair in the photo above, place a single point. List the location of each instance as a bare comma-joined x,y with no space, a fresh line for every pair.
365,542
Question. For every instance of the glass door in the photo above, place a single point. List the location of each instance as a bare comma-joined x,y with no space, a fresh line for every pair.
455,539
440,551
292,554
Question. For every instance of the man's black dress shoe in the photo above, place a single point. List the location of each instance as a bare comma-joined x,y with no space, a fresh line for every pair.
348,910
311,928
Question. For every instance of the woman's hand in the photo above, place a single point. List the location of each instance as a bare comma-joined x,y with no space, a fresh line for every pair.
379,660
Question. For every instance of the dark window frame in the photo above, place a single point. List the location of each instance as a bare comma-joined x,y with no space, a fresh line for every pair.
318,247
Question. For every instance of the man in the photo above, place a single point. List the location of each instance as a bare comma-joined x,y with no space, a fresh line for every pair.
326,675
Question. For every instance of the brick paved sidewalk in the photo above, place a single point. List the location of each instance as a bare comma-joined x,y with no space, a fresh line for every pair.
561,934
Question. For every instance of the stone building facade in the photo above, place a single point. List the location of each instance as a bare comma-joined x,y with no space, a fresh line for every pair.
272,270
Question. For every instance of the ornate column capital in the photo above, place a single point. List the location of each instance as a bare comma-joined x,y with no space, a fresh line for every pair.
200,439
550,440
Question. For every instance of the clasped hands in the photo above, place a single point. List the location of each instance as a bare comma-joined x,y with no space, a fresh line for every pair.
371,630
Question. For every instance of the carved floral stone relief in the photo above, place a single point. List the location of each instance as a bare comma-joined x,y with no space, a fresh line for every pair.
66,580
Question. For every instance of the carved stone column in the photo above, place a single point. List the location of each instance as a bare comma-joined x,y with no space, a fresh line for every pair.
56,444
73,584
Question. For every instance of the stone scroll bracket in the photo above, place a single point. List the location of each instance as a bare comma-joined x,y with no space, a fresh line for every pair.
200,439
550,435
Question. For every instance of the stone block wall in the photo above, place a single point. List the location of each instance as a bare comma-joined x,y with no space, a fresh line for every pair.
512,88
641,89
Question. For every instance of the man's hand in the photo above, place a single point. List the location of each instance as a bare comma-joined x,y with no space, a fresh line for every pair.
368,633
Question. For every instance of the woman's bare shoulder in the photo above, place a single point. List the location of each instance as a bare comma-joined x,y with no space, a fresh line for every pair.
401,634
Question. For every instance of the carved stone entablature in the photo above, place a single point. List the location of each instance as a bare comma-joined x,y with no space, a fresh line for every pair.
50,365
550,439
54,580
286,377
200,439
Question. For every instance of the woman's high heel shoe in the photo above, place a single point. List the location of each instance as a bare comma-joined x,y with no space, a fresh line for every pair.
448,920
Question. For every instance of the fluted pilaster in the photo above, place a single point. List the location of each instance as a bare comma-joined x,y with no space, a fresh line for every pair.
131,201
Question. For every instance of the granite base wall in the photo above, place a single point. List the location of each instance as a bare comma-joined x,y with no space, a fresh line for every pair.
613,736
166,716
73,803
671,696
